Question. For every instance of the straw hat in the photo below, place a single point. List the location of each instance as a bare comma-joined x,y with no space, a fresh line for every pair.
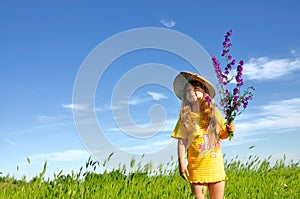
185,77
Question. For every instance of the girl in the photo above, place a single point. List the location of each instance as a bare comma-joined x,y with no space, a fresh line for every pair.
199,130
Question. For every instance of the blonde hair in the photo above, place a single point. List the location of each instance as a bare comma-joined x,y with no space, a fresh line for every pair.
207,116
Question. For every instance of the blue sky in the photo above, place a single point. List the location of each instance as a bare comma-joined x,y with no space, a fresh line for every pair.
44,45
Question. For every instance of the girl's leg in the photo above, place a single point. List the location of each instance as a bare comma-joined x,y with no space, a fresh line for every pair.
199,190
216,190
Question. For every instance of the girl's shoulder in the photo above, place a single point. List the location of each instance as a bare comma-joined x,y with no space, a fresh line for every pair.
219,115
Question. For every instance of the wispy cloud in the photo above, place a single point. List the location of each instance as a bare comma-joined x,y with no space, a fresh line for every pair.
147,129
293,52
151,96
137,100
265,68
107,107
147,148
74,106
271,118
46,119
66,156
8,141
141,130
169,23
157,96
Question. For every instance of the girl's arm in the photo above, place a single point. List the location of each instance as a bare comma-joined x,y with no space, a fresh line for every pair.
182,148
224,133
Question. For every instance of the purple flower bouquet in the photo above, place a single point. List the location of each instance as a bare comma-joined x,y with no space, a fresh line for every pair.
233,101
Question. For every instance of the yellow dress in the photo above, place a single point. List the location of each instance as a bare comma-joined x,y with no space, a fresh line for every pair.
205,165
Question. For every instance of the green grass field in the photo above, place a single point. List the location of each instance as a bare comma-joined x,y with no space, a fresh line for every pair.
254,179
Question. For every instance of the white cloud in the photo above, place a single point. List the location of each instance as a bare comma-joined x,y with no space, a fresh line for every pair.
141,130
293,52
150,97
272,118
138,100
147,148
265,68
168,23
135,100
74,106
8,141
107,107
157,96
147,130
66,156
46,119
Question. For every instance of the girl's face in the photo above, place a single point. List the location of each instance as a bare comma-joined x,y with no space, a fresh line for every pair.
193,93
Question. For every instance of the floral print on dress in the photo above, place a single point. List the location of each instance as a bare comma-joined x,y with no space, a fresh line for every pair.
204,147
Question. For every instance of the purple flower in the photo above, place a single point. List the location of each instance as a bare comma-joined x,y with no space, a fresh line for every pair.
232,63
231,100
235,99
236,91
229,33
208,100
239,68
224,52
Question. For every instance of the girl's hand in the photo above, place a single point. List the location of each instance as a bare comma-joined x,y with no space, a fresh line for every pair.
230,127
184,173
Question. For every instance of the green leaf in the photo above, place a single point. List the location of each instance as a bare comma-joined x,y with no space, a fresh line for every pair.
28,160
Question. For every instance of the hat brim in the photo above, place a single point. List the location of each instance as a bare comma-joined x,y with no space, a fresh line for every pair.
184,77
